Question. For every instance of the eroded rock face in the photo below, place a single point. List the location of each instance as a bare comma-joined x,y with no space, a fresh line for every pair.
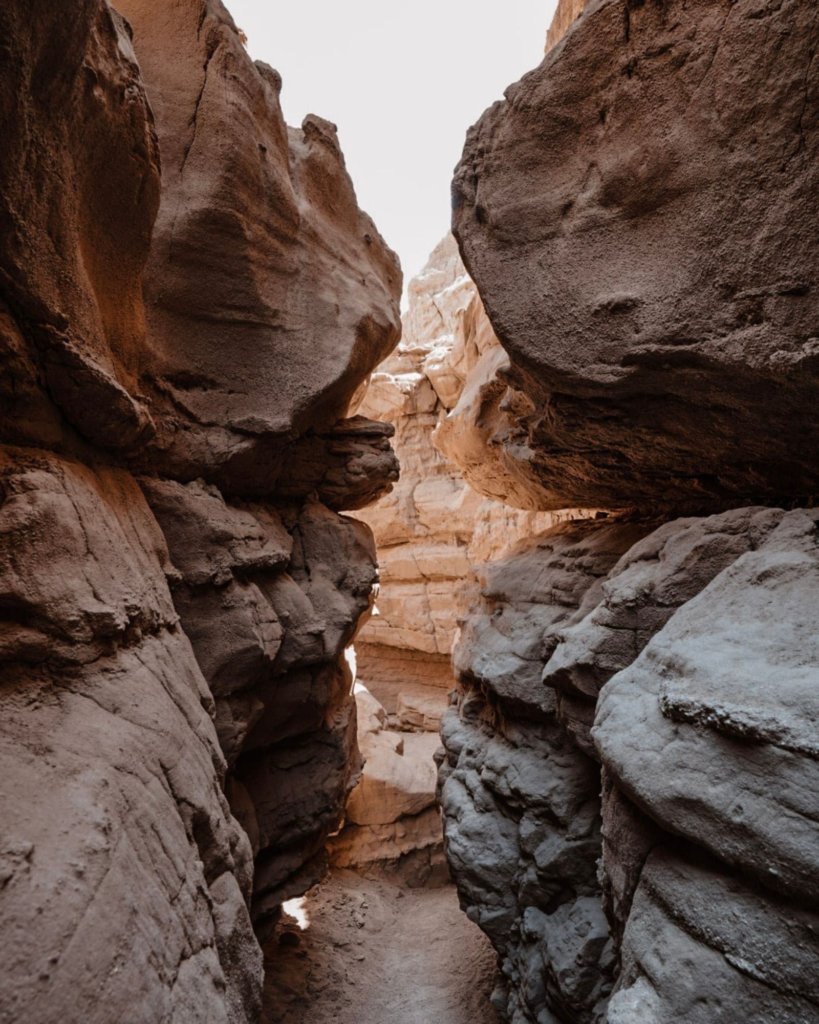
649,266
259,250
639,216
392,823
125,876
432,531
704,738
177,586
725,699
520,799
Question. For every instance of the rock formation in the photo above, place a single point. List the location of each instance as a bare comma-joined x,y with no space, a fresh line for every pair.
432,531
189,298
648,266
521,801
629,781
392,822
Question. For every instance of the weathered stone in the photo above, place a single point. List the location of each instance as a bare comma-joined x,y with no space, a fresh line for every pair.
642,592
259,250
649,266
520,799
125,879
713,730
124,875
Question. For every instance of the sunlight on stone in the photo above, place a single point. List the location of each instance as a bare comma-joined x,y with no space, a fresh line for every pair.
297,909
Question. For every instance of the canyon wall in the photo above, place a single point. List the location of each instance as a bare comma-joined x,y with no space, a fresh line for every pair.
630,778
432,532
189,298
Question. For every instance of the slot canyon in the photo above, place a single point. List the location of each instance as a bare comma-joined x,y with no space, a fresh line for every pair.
431,653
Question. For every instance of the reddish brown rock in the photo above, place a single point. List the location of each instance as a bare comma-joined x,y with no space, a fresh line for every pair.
75,120
269,294
649,263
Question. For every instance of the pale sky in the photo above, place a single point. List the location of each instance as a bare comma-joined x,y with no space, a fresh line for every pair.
403,82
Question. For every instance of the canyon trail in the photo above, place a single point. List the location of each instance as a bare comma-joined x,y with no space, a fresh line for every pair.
354,963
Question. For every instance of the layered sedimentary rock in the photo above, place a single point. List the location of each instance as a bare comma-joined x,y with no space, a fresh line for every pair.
177,585
648,265
392,822
702,752
432,531
638,216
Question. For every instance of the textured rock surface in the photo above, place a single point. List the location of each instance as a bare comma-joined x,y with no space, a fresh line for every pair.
708,743
433,529
639,215
124,875
642,592
259,248
393,826
565,15
649,266
520,799
175,699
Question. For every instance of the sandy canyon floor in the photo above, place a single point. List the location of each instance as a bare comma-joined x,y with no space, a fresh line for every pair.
371,952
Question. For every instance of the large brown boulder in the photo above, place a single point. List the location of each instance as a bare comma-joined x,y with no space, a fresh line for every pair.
640,216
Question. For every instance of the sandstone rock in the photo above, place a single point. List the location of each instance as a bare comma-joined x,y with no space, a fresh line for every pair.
712,730
744,955
75,120
259,250
393,825
124,875
649,266
642,592
433,529
125,878
270,597
701,753
420,711
567,12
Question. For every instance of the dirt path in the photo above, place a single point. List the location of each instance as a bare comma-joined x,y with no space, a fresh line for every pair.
374,953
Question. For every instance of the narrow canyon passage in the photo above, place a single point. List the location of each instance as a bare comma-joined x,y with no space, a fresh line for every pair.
374,952
442,661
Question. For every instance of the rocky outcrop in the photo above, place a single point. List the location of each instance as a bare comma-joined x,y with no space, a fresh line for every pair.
123,871
721,745
176,582
700,752
392,822
521,801
648,266
431,531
